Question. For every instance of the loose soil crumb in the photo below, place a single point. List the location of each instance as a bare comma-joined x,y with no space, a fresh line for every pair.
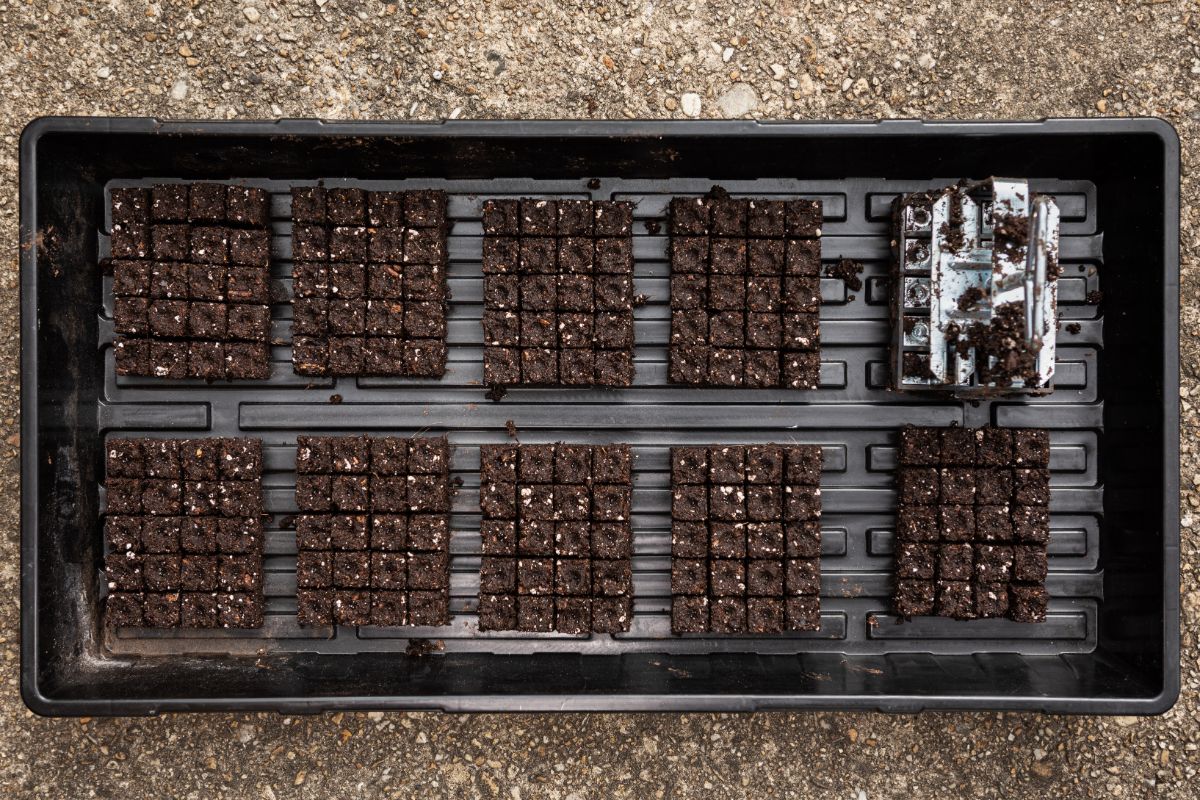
510,428
496,393
1074,328
848,271
423,647
653,227
1094,297
969,300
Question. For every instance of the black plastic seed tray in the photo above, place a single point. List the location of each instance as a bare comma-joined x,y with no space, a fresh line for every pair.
1109,645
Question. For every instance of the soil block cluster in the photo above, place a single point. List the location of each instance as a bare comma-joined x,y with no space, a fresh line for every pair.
745,292
557,292
369,282
745,539
183,533
190,269
973,523
557,540
373,533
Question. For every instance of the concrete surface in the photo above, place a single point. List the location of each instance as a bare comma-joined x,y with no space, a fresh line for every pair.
776,58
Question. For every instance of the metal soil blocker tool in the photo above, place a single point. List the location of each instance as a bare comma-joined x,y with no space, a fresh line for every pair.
975,273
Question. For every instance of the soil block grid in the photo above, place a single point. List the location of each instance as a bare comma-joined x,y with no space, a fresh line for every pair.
558,292
973,523
369,282
745,292
190,267
183,533
373,533
556,538
745,539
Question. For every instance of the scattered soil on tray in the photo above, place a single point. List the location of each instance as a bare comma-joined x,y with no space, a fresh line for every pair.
510,428
423,647
1094,297
848,271
496,393
1074,328
653,226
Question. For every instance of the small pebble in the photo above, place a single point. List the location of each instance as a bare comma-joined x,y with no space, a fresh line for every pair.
690,102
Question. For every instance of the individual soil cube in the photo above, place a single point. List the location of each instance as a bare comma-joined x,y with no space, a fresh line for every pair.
913,598
502,217
920,447
918,485
954,599
745,313
735,561
369,300
314,606
556,528
1029,564
160,610
1027,602
803,218
183,515
130,205
1031,448
568,321
375,529
130,240
198,610
972,523
728,615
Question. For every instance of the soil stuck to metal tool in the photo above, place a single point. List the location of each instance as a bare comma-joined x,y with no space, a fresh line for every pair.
969,300
1004,341
952,231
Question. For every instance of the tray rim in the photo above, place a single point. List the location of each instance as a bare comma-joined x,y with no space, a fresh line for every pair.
41,703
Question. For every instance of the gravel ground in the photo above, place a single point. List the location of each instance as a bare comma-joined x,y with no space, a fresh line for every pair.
791,59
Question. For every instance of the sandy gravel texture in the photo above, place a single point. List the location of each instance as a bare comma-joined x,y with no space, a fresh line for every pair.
772,59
